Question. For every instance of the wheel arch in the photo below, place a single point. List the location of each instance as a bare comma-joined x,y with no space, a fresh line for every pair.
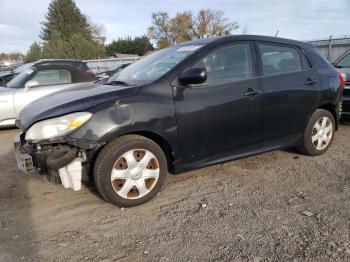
162,142
333,110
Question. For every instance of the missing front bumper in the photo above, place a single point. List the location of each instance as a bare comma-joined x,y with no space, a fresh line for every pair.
24,160
68,161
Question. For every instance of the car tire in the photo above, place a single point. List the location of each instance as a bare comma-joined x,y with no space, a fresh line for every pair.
319,133
130,170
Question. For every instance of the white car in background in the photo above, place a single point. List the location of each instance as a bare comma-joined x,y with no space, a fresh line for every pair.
38,80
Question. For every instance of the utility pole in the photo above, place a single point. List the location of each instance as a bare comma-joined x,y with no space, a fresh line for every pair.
329,56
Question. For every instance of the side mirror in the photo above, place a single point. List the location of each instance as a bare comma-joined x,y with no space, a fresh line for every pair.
30,84
193,76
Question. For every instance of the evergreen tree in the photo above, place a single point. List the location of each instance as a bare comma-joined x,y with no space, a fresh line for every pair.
67,33
138,46
34,53
64,17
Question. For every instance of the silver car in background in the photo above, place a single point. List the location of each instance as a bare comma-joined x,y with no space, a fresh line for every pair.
38,80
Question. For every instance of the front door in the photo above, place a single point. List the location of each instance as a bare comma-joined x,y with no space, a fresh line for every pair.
224,113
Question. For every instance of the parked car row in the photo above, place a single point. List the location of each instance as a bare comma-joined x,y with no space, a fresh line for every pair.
180,108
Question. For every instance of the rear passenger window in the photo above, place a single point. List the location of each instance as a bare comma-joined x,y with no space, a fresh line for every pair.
230,63
53,77
279,59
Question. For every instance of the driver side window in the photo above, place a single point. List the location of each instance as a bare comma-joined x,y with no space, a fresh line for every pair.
53,77
227,64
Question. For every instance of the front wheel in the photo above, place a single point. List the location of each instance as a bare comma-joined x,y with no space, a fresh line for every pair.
319,133
130,170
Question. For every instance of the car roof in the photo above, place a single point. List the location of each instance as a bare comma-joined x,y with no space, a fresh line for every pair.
57,61
224,39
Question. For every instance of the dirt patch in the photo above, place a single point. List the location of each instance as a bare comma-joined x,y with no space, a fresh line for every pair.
277,206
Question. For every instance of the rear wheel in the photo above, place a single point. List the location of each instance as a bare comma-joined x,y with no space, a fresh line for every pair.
319,133
130,170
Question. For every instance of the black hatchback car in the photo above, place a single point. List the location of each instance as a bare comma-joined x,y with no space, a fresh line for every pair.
183,107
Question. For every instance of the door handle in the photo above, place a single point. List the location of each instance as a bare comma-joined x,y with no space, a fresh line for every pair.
310,82
251,92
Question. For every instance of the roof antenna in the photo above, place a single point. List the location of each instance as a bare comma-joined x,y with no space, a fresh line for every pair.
277,33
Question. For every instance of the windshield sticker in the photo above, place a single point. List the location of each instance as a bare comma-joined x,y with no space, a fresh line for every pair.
188,48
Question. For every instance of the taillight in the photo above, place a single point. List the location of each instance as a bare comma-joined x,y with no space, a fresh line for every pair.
89,72
342,79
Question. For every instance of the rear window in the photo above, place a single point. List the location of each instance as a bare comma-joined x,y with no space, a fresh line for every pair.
53,77
279,59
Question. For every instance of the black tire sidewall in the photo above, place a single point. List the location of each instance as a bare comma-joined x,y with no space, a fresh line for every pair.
106,160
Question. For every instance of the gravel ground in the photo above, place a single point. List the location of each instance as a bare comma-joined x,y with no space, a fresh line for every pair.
277,206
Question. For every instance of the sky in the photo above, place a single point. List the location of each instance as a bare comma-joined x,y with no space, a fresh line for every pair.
296,19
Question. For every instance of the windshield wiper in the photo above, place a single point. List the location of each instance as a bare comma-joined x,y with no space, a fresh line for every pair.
118,83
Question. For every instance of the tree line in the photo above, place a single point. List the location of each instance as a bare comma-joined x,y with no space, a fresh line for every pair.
67,33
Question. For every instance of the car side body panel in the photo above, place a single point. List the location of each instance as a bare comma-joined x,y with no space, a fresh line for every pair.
7,110
150,110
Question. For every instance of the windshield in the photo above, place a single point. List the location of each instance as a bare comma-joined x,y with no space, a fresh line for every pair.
155,65
344,62
20,79
22,67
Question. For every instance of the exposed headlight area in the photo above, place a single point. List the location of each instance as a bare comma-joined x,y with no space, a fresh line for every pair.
56,127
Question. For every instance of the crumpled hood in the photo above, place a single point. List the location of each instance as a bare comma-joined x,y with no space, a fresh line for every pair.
76,99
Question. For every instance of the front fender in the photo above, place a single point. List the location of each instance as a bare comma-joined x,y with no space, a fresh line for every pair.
144,112
7,109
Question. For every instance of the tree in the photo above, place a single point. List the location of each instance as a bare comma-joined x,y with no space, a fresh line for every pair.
97,29
142,45
34,53
67,33
184,26
212,23
161,29
181,26
138,46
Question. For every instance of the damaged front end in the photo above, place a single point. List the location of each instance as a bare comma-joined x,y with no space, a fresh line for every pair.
64,160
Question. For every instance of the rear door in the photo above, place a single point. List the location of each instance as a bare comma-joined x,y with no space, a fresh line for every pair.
50,81
224,113
290,90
